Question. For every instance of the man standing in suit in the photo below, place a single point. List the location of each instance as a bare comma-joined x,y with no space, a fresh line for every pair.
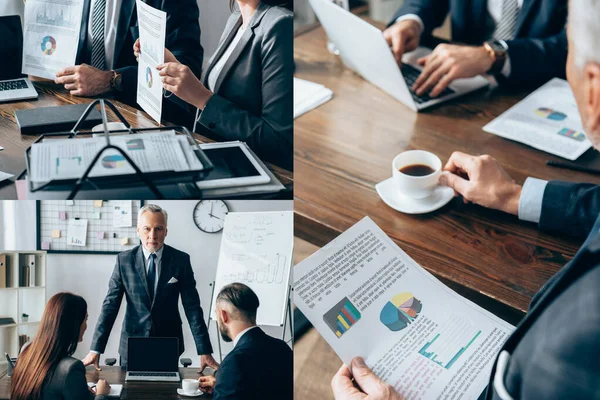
520,42
553,353
259,366
153,276
109,28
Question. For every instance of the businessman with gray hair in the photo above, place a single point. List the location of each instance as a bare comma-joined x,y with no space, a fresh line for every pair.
152,276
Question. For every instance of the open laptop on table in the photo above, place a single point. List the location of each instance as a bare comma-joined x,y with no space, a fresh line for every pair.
364,50
13,84
152,359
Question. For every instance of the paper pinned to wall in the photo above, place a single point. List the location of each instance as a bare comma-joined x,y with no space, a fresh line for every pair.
122,214
56,233
77,232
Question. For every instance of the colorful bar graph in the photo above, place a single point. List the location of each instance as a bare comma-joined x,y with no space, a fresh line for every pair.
432,356
341,317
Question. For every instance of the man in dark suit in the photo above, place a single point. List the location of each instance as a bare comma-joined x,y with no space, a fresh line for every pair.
259,366
520,42
152,276
553,353
109,28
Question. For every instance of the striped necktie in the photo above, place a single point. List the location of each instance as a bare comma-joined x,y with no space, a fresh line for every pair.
98,53
505,30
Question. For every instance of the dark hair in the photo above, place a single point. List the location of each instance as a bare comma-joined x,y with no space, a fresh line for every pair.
242,298
289,4
56,338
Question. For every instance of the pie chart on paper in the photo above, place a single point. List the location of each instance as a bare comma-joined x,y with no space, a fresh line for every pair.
400,311
48,45
114,161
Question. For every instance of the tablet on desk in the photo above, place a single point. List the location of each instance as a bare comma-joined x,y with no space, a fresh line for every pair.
234,166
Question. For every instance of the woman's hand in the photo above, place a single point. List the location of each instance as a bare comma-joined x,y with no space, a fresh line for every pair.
180,80
137,50
102,387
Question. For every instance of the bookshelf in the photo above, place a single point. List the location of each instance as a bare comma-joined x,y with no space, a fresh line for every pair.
22,291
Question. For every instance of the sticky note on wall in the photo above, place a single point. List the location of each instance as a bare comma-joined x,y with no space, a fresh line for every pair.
100,235
98,203
70,202
62,215
124,241
55,233
96,215
45,246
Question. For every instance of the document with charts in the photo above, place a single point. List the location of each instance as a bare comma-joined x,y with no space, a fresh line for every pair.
547,120
368,298
50,36
153,28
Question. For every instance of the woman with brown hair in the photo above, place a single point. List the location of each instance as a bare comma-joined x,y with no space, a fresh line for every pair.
45,369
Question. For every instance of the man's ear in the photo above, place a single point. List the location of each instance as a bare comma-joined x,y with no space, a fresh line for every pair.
592,95
224,315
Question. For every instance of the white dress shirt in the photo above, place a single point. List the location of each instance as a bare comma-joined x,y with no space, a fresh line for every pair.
157,263
239,336
494,7
113,9
218,67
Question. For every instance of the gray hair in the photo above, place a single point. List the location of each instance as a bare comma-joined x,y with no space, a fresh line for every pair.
584,30
153,208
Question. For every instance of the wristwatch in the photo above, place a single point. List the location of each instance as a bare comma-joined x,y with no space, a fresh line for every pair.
498,51
116,82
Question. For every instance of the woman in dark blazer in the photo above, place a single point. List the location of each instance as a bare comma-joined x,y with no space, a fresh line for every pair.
45,369
247,93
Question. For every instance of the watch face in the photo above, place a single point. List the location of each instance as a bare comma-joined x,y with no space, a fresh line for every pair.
209,215
498,46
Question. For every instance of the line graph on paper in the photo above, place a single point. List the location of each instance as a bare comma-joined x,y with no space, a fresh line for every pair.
270,271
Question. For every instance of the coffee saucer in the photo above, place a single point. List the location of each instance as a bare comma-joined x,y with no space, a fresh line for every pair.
390,195
186,394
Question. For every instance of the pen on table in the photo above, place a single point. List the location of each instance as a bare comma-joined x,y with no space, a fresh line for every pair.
573,167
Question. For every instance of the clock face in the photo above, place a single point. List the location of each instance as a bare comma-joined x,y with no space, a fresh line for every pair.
209,215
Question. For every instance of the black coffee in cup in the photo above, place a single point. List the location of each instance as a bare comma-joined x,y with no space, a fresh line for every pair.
417,170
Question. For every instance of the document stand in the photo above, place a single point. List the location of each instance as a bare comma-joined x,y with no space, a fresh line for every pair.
148,179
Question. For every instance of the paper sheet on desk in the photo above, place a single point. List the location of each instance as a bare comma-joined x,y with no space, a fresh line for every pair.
115,390
153,27
308,96
368,298
51,36
547,120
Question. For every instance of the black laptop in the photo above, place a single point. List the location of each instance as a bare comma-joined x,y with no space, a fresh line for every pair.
13,84
152,359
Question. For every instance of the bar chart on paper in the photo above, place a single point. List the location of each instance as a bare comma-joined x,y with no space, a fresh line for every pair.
450,343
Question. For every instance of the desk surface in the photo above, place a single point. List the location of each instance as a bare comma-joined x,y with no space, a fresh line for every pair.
12,157
346,146
131,390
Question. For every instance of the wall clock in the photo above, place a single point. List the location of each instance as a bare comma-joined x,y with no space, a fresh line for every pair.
209,215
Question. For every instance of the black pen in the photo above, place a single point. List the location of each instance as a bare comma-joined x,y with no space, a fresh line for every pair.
573,167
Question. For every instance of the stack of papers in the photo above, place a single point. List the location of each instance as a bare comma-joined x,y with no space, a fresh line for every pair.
309,95
547,120
152,152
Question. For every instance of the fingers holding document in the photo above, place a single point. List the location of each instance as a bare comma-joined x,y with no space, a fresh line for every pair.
179,79
366,384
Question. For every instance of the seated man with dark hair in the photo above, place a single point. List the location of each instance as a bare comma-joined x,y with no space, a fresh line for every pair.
259,366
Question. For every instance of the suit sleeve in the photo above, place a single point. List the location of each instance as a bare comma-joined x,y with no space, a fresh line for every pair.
535,61
570,208
431,12
110,309
269,134
230,380
75,387
183,40
193,311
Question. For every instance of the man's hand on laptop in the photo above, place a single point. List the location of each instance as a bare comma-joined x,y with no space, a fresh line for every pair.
403,36
92,358
207,360
84,80
448,62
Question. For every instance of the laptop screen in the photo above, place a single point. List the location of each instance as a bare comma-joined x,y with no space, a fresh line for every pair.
152,354
11,47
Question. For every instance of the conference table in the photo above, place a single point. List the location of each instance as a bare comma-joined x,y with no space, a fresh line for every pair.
12,158
346,146
131,390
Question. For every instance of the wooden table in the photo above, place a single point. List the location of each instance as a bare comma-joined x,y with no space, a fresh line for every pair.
346,146
12,157
131,390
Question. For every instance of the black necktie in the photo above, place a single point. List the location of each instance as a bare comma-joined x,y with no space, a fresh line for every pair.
151,276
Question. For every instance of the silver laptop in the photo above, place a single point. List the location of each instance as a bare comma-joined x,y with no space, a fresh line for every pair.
364,50
13,84
152,359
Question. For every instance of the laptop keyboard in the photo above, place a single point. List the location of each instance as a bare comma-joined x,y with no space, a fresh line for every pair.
410,76
13,85
166,374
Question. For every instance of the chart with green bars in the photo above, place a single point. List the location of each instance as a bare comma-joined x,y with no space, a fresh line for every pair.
451,343
341,317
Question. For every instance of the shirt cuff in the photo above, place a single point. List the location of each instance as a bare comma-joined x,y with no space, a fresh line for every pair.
95,352
414,17
506,67
530,203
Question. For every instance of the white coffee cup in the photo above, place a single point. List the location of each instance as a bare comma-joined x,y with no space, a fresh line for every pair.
189,386
416,187
112,126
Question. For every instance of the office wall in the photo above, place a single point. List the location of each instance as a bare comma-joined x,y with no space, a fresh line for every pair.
213,16
88,275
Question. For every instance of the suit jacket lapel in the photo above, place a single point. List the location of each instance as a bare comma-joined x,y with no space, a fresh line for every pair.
140,267
125,15
526,8
85,17
222,47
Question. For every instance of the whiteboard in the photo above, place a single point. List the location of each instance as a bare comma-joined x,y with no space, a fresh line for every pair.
256,250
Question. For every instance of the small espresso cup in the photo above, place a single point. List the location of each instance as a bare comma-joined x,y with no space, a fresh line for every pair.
416,187
189,386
